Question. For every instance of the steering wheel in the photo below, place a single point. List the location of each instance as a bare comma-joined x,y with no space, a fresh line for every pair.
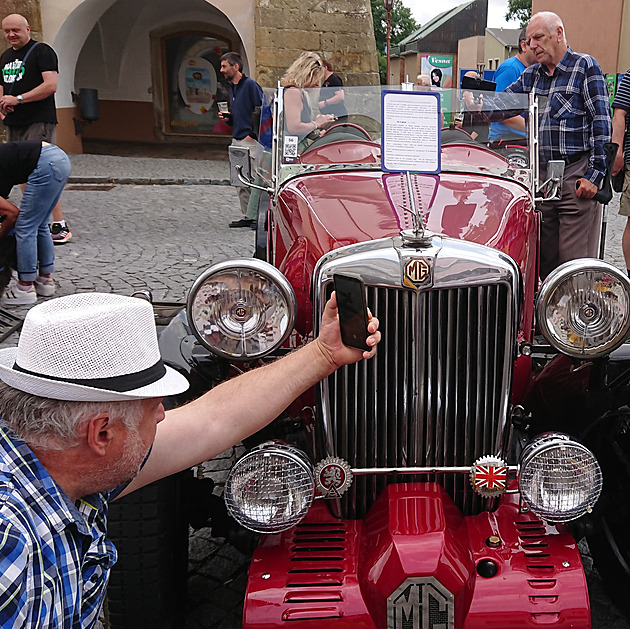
449,135
340,132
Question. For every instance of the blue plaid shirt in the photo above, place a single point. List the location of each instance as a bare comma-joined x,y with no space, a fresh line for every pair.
576,118
54,555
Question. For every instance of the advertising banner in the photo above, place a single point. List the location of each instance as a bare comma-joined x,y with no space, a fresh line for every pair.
440,70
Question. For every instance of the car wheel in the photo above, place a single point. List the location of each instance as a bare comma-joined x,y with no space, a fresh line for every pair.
147,586
607,533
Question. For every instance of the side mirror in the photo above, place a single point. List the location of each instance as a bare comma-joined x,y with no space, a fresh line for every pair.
551,189
240,169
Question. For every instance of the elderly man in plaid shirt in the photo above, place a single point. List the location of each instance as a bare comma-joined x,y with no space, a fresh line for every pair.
574,127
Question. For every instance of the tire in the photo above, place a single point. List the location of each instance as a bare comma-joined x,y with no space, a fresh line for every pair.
607,534
147,586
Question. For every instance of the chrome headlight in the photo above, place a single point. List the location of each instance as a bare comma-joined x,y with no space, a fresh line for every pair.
583,308
270,488
242,309
559,479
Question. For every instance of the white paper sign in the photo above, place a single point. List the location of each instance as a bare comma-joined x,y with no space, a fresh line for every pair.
410,132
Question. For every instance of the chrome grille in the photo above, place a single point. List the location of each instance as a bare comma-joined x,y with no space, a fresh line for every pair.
435,394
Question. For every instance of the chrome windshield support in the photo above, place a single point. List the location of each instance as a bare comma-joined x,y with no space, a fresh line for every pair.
533,146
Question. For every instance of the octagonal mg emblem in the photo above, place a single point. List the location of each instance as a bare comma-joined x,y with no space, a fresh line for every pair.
421,603
418,271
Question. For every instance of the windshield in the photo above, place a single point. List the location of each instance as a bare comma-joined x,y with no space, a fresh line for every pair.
353,138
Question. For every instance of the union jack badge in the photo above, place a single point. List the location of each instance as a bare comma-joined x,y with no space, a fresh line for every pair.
489,476
333,477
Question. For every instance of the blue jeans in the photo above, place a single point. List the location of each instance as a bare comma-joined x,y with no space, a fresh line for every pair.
44,185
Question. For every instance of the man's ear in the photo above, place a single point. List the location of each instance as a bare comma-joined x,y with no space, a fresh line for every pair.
100,433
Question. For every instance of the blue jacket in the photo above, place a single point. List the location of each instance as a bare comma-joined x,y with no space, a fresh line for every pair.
245,96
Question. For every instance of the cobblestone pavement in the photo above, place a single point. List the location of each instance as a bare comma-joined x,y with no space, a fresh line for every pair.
160,237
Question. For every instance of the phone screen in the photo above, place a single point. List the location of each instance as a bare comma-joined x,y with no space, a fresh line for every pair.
353,319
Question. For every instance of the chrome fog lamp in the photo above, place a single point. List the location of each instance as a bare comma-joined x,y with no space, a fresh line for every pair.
559,478
241,309
270,488
583,308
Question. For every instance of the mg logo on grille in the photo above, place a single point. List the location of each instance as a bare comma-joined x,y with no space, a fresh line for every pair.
418,271
421,603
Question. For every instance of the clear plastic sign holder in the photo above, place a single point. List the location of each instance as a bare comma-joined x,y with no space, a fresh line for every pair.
410,132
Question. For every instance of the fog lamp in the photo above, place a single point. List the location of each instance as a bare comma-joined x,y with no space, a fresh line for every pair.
242,309
559,478
583,308
270,488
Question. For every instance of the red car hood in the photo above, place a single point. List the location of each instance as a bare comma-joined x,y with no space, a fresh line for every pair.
329,210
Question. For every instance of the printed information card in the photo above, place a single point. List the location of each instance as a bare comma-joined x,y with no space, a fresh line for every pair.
410,132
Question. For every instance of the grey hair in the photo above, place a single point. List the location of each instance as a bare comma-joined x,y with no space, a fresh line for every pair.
54,424
552,22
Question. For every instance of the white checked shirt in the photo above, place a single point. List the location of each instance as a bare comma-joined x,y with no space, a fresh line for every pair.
54,555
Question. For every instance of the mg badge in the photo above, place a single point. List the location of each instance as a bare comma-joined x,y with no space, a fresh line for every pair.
418,271
421,603
333,477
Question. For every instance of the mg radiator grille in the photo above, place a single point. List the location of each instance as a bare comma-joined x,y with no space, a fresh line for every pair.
434,395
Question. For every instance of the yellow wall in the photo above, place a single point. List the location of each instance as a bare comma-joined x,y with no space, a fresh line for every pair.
592,27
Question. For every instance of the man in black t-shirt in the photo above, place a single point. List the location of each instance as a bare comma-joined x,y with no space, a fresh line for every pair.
28,82
331,95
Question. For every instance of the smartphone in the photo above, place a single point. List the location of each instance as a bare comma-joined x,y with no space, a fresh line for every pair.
353,316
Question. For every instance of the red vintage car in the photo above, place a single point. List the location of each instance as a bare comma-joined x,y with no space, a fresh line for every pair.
444,483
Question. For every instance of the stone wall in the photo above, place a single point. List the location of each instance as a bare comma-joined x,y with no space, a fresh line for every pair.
29,9
339,30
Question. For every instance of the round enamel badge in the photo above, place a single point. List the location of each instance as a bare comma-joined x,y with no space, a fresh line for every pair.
333,477
489,476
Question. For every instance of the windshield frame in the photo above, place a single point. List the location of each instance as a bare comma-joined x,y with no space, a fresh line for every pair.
277,170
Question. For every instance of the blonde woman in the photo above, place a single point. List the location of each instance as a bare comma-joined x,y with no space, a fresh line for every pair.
306,71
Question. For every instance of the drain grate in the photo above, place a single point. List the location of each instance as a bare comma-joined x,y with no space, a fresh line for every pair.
9,323
104,187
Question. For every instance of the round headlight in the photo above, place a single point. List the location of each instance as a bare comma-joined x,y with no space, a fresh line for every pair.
559,479
242,309
270,488
583,308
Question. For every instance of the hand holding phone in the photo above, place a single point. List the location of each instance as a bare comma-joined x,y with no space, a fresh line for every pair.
353,314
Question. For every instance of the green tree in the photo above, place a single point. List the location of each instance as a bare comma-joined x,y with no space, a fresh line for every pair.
402,25
520,10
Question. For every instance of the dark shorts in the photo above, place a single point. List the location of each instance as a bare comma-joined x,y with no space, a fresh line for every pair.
45,131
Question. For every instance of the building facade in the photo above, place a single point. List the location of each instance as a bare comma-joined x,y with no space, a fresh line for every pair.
155,63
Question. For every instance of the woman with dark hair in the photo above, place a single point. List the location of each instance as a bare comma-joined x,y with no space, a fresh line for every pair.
436,77
44,168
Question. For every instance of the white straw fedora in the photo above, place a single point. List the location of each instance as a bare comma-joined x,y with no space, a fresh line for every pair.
90,347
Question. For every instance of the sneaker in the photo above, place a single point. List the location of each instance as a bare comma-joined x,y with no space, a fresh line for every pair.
243,222
60,233
13,296
45,289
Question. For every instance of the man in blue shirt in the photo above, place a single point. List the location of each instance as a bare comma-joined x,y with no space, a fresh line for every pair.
506,74
245,96
82,423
